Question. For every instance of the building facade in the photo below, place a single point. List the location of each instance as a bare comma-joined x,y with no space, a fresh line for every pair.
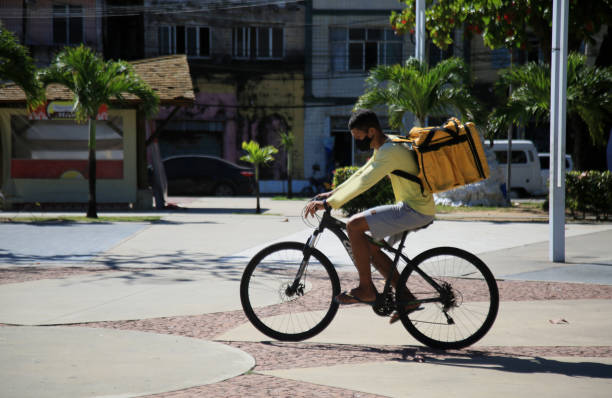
344,39
247,65
46,26
258,67
44,154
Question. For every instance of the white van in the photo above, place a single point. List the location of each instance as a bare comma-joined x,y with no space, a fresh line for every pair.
525,176
545,165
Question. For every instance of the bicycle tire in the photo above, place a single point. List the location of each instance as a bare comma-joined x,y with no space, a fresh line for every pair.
472,305
263,292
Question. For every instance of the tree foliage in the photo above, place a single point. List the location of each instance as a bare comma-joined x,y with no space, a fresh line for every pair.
17,66
504,23
257,155
419,89
589,96
287,141
95,82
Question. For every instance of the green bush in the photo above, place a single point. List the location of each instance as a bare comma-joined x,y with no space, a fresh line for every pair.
589,192
379,194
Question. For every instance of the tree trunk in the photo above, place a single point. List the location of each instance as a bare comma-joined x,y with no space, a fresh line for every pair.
509,166
257,209
509,152
289,171
92,207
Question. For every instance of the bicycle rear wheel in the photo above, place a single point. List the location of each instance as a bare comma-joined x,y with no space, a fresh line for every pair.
468,303
268,302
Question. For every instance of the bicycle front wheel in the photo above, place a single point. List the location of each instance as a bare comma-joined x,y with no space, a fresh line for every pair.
277,310
465,308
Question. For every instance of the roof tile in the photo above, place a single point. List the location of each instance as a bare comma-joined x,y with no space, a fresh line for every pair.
168,76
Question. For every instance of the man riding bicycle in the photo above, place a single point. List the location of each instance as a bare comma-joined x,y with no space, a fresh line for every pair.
413,208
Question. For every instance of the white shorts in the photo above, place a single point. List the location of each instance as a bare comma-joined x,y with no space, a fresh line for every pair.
389,220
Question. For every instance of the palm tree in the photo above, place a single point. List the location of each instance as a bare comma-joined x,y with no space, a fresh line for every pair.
287,141
589,99
17,66
95,82
415,87
257,155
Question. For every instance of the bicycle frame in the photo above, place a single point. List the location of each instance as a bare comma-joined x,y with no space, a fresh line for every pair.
338,227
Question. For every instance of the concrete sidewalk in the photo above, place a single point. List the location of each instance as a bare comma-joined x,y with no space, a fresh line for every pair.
84,362
191,263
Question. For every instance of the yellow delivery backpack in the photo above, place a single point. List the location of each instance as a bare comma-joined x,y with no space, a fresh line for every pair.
449,156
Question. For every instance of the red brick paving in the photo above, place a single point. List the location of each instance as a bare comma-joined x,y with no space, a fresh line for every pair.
282,355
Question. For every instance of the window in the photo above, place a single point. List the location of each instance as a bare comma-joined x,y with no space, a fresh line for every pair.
517,157
67,24
260,42
241,42
360,49
167,40
191,40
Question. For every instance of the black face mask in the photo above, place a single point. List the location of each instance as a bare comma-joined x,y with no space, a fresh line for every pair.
364,144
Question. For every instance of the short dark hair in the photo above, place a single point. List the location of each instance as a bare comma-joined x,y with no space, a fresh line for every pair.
363,119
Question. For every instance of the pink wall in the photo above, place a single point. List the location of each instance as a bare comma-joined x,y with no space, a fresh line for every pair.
213,106
223,107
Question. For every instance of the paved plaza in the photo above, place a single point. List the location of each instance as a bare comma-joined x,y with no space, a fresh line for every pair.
153,309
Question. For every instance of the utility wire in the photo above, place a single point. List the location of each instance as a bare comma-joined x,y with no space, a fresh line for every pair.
166,7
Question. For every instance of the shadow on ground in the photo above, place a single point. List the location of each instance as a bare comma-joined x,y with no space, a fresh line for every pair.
137,267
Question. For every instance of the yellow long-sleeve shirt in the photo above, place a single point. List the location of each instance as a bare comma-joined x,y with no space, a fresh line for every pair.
390,156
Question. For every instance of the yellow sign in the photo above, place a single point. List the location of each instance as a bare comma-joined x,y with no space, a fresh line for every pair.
63,110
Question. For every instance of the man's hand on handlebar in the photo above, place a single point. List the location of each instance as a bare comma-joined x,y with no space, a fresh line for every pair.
323,195
317,203
314,206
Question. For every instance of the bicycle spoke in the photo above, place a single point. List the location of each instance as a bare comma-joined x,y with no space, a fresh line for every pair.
467,304
286,315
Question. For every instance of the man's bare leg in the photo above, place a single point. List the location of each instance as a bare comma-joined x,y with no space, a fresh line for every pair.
356,228
384,265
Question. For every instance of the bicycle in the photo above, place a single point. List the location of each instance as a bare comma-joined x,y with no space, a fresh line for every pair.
287,291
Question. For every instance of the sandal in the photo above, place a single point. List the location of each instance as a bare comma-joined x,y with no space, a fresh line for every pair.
340,299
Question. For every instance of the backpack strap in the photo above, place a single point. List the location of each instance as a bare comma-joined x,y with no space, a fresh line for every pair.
432,131
411,177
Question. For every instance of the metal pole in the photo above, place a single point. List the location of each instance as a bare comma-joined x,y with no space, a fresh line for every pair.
509,164
509,149
558,91
420,30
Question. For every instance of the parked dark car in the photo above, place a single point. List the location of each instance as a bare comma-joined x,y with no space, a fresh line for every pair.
207,175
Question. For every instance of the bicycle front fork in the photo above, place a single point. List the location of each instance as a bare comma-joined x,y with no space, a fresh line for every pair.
297,286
